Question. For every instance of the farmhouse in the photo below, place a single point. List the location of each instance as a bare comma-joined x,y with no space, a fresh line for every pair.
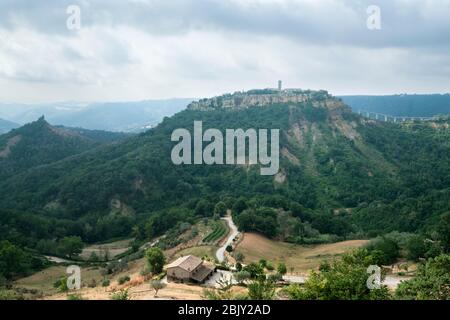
189,269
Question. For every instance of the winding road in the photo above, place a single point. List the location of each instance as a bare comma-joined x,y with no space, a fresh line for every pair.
220,254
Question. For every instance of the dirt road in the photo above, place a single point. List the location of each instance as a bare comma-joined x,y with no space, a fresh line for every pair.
220,254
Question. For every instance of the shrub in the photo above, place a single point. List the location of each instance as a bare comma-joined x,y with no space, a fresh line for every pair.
269,266
124,279
105,283
432,281
242,276
61,284
93,257
239,256
120,295
7,295
92,283
276,277
281,269
261,290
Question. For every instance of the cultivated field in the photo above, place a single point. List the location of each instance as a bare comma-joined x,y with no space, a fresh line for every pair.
301,258
112,249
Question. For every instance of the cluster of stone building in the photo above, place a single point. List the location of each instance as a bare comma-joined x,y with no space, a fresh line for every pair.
256,98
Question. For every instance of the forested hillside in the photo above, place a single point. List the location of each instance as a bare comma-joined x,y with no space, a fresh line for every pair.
341,177
416,105
39,143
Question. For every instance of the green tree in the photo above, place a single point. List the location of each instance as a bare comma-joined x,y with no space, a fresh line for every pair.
432,281
416,248
220,209
342,280
157,285
444,231
255,270
204,208
261,289
13,260
240,205
388,251
70,246
281,269
155,259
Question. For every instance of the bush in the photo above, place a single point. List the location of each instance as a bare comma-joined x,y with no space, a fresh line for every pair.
120,295
105,283
74,297
93,257
276,277
239,256
92,283
242,276
124,279
432,281
8,295
61,284
269,266
281,269
261,290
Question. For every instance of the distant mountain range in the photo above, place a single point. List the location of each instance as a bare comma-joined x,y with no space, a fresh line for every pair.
416,105
142,115
120,116
6,126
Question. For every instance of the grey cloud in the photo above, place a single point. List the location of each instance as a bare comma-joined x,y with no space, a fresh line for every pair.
341,22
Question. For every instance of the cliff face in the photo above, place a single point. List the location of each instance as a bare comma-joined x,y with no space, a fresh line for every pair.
260,98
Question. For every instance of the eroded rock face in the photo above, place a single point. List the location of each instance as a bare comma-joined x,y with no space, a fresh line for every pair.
258,98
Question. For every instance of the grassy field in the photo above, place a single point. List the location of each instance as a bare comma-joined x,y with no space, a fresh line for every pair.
301,258
112,249
201,251
43,281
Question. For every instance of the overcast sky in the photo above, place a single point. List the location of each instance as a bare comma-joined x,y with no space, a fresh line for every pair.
150,49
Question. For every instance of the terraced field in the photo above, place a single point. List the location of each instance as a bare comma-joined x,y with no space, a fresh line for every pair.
219,231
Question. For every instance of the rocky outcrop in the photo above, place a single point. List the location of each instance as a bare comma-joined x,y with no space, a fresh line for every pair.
260,98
